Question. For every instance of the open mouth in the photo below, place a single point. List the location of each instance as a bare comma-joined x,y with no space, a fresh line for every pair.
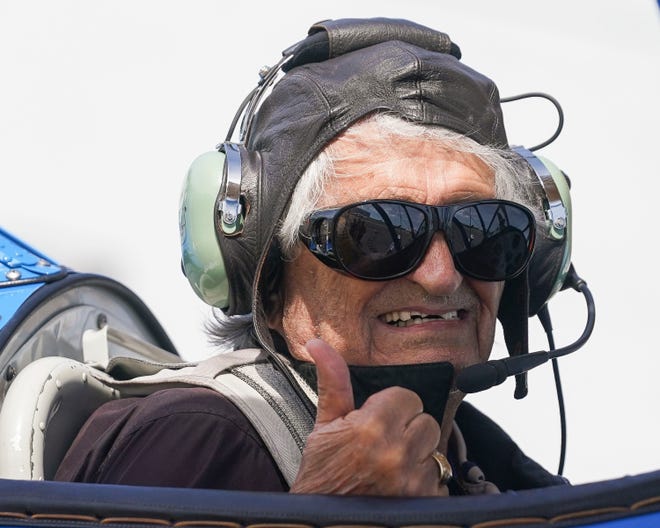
405,318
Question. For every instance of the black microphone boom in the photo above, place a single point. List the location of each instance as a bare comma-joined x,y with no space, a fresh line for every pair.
486,375
483,376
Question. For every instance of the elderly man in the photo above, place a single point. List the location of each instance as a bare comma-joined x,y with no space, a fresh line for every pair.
371,228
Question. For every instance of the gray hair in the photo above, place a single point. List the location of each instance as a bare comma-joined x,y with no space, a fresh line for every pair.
513,181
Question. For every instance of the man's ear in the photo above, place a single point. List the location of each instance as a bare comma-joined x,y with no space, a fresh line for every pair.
274,310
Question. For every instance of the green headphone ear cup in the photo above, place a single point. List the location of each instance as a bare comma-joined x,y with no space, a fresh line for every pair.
202,260
552,253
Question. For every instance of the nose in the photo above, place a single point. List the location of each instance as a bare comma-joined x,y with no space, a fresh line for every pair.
437,273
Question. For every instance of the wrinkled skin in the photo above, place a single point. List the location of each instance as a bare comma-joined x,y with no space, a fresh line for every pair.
387,442
333,319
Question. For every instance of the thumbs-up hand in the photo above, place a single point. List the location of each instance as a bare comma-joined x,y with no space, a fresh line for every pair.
383,448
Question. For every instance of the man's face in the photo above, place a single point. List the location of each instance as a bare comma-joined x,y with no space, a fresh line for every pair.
351,314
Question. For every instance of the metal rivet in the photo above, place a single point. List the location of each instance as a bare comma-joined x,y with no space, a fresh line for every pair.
13,274
42,426
43,262
264,71
101,321
10,373
58,384
84,377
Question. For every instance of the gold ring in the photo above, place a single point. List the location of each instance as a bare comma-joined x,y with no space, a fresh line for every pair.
444,467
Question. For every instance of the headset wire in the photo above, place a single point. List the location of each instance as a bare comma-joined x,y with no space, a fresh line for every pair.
544,317
560,114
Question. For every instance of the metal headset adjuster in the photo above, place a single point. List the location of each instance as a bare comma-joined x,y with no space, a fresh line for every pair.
556,211
229,205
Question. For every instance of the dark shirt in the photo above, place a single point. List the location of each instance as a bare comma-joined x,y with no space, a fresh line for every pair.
197,438
184,437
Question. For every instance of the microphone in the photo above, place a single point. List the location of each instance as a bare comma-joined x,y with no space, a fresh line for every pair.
477,378
482,376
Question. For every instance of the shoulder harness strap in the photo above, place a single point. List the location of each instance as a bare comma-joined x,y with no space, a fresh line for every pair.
247,378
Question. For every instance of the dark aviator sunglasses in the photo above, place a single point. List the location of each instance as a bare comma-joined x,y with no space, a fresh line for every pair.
490,240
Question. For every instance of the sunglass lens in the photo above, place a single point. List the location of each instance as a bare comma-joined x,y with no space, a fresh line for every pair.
380,240
491,241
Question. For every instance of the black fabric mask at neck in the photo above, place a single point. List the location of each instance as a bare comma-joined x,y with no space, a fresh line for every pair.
430,381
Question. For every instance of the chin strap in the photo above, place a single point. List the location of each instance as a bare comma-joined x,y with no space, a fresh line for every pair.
513,314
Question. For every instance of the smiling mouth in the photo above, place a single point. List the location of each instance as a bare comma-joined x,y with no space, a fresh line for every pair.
405,319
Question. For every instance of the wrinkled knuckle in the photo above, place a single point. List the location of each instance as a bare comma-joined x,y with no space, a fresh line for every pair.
394,459
369,431
414,397
410,399
401,393
431,425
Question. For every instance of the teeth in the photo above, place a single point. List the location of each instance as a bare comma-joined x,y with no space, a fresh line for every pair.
404,318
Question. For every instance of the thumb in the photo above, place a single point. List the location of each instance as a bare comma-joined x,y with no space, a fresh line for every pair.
334,382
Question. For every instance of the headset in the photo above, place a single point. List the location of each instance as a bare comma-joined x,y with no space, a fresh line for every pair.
214,208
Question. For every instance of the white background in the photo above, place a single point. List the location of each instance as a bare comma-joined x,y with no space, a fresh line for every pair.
104,104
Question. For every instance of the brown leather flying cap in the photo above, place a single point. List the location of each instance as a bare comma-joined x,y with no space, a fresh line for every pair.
355,67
